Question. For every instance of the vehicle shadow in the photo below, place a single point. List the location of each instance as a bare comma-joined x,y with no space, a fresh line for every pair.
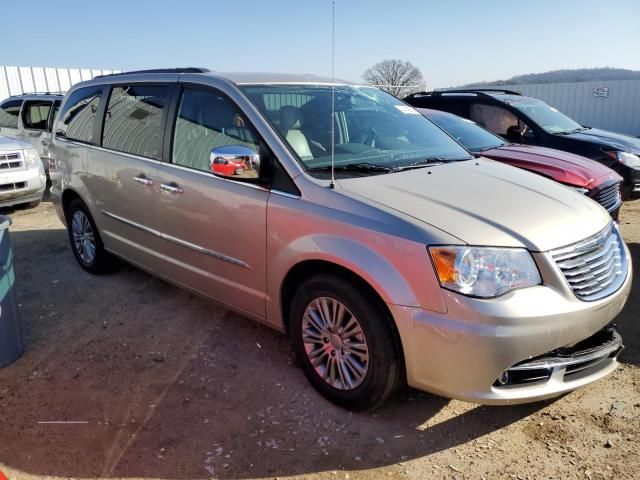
628,321
168,385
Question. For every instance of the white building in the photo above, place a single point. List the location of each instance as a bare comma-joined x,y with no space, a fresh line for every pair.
18,80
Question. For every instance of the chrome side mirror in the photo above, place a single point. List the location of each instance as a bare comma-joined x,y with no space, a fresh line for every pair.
235,161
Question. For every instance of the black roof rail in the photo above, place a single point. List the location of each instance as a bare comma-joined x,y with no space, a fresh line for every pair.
479,91
159,70
418,94
36,93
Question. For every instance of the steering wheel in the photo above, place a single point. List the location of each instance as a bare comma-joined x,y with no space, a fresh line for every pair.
366,136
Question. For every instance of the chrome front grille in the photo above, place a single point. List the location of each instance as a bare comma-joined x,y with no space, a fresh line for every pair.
609,197
595,267
10,160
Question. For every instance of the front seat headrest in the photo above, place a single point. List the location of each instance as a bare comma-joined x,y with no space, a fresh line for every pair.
290,118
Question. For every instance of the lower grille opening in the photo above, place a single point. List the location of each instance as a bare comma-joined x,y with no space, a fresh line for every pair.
571,363
8,187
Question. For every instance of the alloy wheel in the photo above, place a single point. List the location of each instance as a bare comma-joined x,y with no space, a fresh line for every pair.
83,237
335,343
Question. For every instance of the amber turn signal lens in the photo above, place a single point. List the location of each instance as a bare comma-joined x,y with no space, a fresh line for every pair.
444,259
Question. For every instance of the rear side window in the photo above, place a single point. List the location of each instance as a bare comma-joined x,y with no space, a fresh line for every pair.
207,120
35,114
133,122
77,118
9,112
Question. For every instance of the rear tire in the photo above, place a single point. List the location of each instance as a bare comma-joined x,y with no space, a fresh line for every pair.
33,204
353,359
85,240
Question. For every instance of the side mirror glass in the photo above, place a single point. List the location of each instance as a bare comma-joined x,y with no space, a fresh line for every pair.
235,161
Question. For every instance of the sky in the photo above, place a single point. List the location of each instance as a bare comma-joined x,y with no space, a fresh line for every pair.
451,42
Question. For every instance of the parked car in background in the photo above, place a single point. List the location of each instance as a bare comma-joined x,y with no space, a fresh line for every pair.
22,177
586,176
522,119
29,117
415,263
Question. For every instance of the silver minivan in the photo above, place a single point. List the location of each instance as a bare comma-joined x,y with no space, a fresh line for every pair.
341,216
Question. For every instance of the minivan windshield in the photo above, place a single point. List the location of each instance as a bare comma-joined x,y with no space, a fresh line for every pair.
373,132
548,118
472,136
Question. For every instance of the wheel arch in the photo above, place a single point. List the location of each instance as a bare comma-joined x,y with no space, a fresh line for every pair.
306,268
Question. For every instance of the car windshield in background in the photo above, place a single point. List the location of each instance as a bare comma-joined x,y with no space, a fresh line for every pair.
373,131
549,118
473,137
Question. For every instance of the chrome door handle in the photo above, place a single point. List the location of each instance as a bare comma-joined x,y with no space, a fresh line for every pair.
142,180
171,188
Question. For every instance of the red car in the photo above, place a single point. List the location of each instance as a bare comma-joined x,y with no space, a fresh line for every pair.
586,176
227,167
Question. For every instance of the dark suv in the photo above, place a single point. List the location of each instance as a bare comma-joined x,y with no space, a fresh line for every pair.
522,119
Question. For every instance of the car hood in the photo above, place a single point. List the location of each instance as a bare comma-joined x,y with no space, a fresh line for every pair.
561,166
617,141
482,202
10,144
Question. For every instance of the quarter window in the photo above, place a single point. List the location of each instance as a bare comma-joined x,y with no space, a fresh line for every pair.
133,122
9,112
35,114
207,120
77,118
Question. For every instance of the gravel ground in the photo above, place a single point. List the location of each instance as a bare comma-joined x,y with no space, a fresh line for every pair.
172,386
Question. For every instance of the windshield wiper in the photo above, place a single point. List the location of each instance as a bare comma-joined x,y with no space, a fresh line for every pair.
353,167
425,162
572,131
484,149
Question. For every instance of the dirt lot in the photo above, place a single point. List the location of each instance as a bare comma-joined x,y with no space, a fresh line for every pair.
172,386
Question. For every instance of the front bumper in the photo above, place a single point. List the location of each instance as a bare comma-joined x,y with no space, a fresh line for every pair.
462,353
22,186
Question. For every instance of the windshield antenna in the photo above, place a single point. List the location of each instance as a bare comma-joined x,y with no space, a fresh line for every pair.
333,93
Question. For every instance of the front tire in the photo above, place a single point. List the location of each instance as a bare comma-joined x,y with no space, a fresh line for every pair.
345,342
85,240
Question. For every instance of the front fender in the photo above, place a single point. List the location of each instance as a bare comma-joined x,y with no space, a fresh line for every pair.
398,270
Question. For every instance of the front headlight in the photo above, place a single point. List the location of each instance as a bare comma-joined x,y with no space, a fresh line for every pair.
626,158
484,271
31,156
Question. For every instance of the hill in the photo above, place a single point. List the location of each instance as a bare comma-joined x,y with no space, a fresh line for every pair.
555,76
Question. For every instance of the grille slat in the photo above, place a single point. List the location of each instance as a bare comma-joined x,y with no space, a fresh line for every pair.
594,267
609,197
10,161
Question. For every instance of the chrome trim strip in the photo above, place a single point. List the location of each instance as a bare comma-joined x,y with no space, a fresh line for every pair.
285,194
130,155
601,352
178,241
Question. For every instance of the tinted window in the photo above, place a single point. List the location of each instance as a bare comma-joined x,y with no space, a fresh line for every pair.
9,112
76,120
133,122
207,120
35,114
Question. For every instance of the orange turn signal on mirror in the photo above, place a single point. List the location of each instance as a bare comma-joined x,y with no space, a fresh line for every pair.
444,260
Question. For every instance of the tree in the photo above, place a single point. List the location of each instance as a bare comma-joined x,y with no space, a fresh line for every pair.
396,77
